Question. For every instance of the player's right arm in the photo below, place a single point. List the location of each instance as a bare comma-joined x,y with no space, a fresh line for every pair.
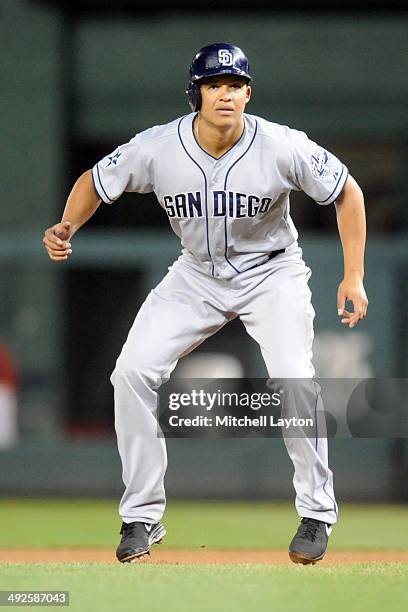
82,202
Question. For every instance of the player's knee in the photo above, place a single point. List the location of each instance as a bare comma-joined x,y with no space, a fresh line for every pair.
291,368
128,372
134,372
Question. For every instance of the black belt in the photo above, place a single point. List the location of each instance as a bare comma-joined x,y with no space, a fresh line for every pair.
271,255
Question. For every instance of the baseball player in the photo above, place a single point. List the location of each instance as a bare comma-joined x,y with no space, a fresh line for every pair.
223,177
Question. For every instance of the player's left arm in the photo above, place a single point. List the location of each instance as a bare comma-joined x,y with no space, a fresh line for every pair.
351,223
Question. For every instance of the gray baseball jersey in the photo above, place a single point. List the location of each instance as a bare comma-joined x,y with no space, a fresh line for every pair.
229,212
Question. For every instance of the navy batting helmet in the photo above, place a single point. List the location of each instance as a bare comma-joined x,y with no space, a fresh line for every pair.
215,59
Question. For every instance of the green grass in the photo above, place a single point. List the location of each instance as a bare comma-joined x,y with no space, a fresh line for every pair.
208,588
103,588
95,524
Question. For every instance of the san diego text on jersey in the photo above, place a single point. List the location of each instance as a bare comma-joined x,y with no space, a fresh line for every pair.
222,204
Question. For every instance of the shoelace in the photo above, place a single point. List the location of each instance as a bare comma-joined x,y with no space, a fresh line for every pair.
311,527
126,528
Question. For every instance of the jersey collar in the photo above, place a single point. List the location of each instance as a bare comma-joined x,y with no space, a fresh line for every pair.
197,152
226,152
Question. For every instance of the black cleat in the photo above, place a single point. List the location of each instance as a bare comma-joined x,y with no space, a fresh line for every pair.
310,542
137,540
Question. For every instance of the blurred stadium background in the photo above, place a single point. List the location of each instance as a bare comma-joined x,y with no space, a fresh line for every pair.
78,78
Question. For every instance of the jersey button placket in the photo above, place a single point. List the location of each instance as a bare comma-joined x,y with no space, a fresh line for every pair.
216,232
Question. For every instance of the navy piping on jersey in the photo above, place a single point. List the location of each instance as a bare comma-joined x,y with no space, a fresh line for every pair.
102,187
226,246
337,184
205,184
226,152
225,188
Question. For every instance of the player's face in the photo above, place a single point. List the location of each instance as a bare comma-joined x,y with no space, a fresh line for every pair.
224,99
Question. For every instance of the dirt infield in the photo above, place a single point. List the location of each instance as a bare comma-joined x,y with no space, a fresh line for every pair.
197,556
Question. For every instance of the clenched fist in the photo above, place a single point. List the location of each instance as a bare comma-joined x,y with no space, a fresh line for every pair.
56,241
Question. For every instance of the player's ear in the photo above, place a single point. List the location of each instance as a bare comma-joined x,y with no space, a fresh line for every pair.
248,93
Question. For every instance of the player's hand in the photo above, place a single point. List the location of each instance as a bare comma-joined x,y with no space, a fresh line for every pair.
56,241
352,290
